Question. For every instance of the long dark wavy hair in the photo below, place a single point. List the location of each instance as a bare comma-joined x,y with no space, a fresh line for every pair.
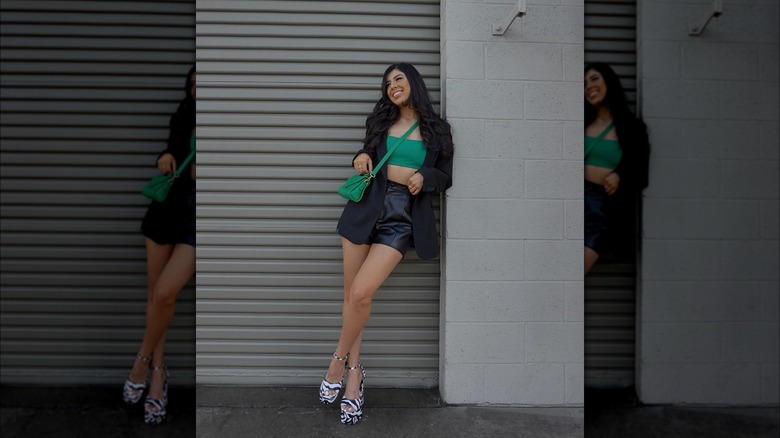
187,105
615,100
436,132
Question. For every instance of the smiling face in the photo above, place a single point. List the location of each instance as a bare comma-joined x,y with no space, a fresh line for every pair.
595,88
398,88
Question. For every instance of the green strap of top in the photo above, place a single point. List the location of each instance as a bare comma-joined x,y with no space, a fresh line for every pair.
393,148
599,138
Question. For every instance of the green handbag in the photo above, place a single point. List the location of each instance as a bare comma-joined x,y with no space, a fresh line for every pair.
158,187
356,185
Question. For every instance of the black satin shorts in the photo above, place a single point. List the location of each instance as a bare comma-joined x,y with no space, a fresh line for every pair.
595,220
394,227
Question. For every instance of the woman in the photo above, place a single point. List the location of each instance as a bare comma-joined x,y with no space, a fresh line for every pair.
616,160
396,212
169,231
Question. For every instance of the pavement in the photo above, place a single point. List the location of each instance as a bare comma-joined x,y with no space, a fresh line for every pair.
237,412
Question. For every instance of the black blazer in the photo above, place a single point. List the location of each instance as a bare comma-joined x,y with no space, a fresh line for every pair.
179,137
358,219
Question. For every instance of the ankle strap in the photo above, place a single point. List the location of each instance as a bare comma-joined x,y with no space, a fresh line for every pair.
143,358
162,366
341,359
356,367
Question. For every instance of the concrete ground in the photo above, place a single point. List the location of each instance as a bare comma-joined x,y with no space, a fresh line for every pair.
295,412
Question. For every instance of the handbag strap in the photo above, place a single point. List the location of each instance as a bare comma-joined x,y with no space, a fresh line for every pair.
185,162
393,148
599,138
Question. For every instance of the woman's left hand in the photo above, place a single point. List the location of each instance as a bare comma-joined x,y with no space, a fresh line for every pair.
415,183
611,183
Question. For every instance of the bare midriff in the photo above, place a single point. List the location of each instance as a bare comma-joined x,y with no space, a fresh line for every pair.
399,174
596,174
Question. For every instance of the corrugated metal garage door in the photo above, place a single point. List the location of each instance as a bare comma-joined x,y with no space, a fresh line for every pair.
87,91
284,88
610,288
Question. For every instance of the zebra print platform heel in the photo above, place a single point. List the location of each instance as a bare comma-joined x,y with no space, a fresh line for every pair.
353,416
133,391
154,409
326,387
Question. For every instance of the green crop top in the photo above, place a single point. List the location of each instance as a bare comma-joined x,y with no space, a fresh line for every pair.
603,153
410,153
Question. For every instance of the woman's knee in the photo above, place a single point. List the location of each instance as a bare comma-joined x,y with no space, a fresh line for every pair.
164,297
360,296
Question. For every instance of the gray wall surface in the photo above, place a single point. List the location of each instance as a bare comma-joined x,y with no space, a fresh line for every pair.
709,295
87,92
512,312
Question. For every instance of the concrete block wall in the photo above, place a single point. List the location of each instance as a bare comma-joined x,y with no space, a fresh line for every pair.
512,301
708,312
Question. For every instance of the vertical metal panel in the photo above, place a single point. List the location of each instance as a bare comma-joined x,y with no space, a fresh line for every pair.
610,288
284,88
88,88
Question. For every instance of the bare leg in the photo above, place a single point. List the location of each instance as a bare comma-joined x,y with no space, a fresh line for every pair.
590,259
156,258
177,271
378,265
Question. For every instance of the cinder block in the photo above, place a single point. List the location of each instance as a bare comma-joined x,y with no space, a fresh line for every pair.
573,140
554,342
666,140
553,101
523,140
679,343
465,301
465,60
536,384
769,62
664,59
575,383
733,384
484,99
770,222
524,61
463,383
751,179
681,178
484,343
523,302
554,24
770,383
474,178
474,22
719,61
466,218
575,301
750,342
658,383
770,140
492,260
553,260
705,301
770,299
680,260
573,60
469,137
721,139
750,100
524,219
750,260
681,99
750,23
553,179
667,21
707,219
574,220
